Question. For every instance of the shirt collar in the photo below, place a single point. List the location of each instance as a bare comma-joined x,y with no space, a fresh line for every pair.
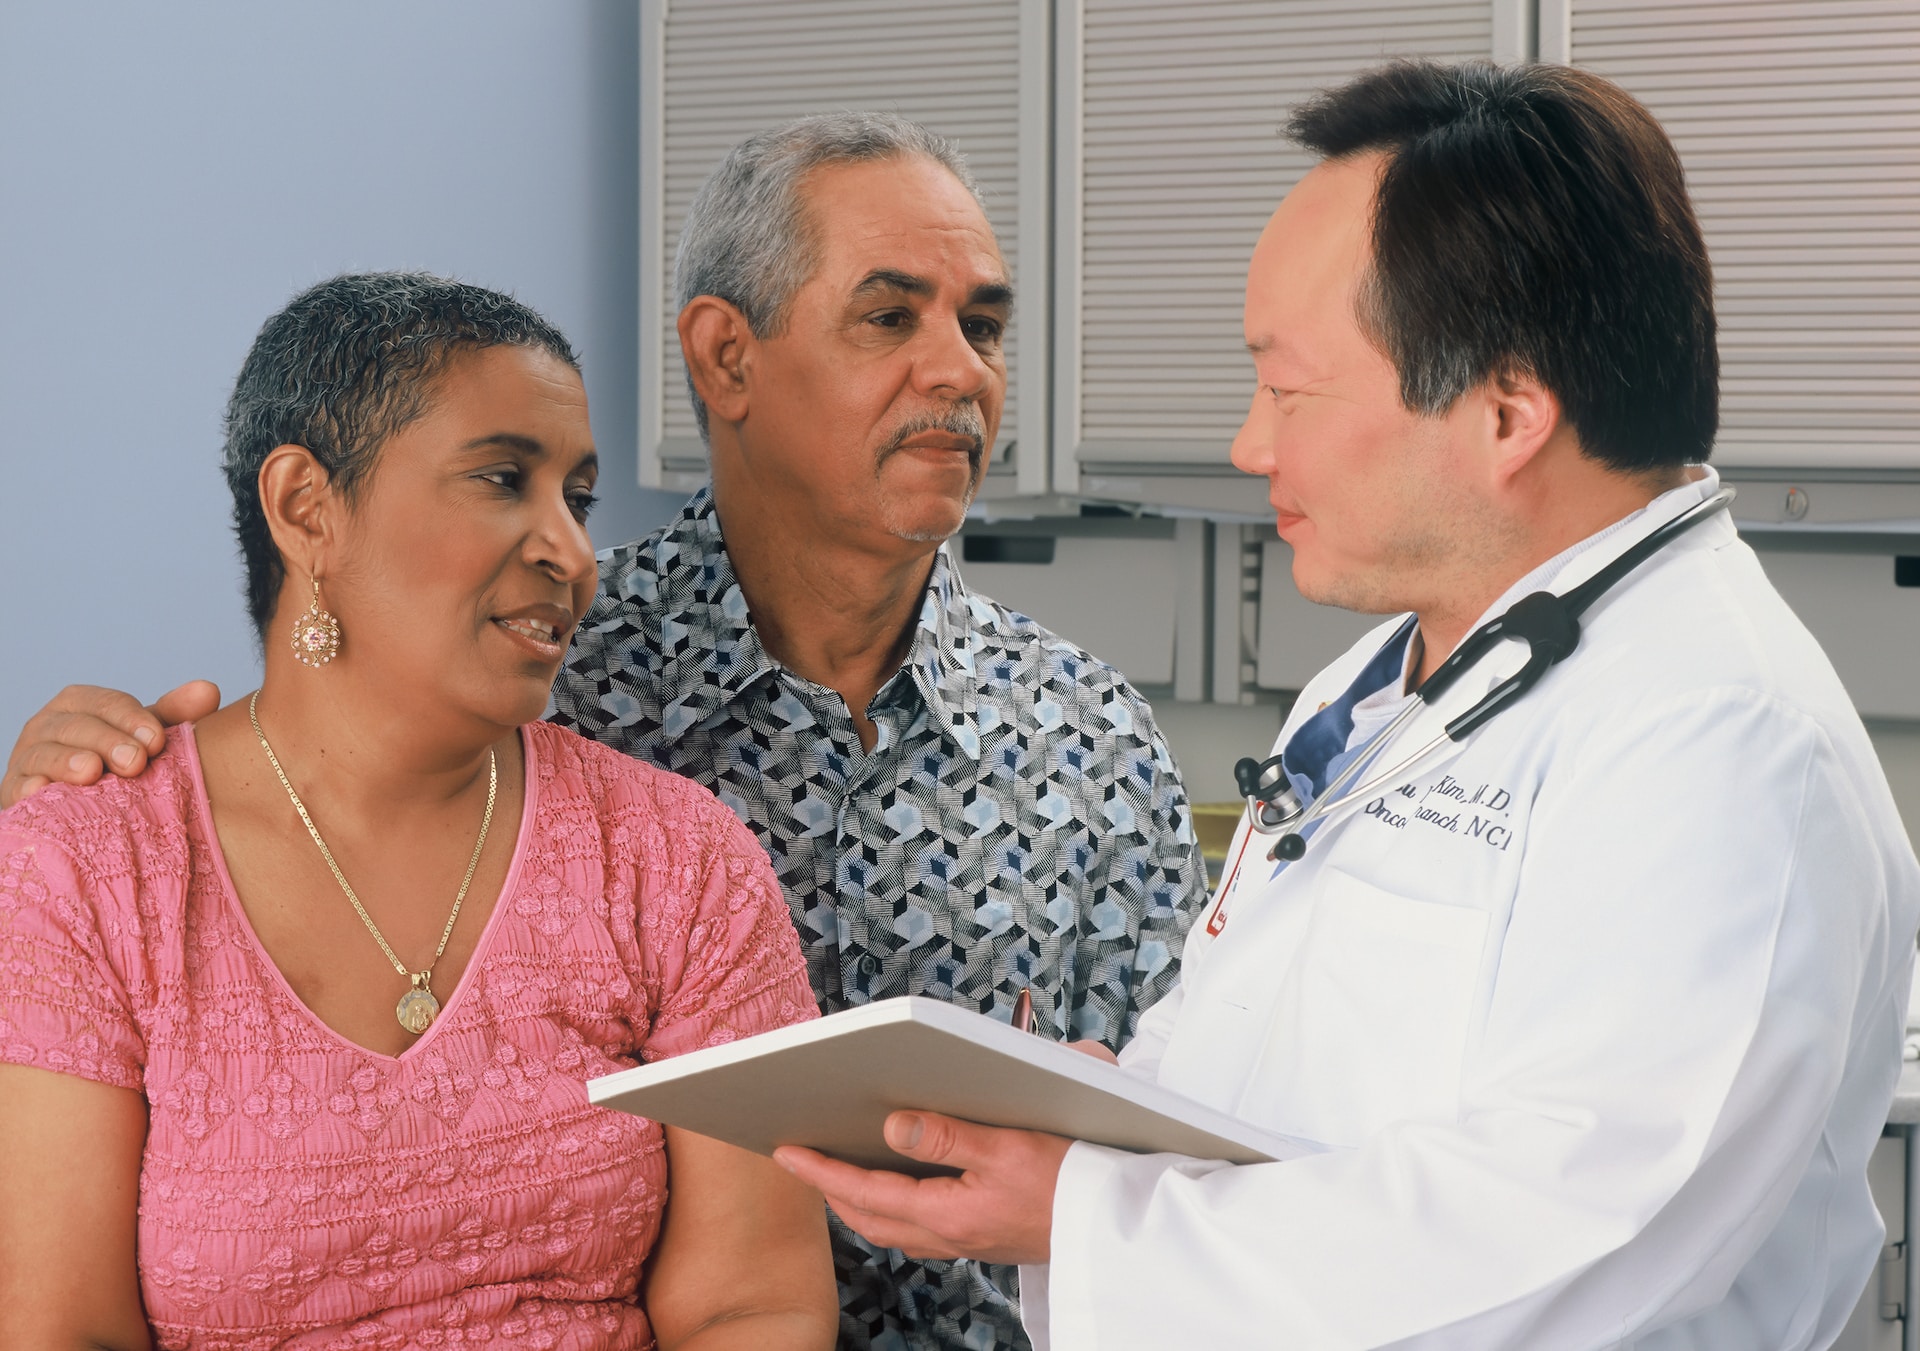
1573,565
946,651
1576,563
712,654
1322,739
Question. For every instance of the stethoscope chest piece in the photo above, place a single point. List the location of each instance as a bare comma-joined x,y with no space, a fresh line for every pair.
1270,796
1273,804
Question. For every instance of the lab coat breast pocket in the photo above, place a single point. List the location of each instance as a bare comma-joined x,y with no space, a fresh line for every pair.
1372,1023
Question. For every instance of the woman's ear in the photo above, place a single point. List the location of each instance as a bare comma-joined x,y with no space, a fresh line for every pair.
298,499
717,342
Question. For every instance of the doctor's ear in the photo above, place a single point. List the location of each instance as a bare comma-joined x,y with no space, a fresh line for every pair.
717,342
1523,415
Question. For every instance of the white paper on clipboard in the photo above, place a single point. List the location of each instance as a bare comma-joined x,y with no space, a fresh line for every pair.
829,1084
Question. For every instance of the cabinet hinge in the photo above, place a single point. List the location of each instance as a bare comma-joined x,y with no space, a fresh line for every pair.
1893,1282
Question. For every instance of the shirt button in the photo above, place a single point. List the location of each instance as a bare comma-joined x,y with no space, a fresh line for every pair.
869,964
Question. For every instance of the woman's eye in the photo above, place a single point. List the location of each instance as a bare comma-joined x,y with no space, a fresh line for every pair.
582,504
503,478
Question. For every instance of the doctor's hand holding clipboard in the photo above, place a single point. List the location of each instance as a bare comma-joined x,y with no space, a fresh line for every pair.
998,1210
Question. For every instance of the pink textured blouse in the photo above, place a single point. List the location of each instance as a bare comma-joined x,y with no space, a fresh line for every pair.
300,1191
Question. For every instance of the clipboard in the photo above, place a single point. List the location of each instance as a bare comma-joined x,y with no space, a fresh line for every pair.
830,1083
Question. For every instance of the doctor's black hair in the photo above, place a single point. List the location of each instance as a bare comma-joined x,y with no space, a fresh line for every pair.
344,366
1533,219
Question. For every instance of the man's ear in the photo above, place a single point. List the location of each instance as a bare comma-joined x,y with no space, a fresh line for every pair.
1523,417
718,345
300,504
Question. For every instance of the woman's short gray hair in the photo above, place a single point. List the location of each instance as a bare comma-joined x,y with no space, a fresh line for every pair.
344,366
747,239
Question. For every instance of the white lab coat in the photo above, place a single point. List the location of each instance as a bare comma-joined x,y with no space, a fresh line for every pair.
1599,1014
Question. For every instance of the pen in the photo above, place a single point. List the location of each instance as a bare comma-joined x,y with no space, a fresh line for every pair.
1023,1012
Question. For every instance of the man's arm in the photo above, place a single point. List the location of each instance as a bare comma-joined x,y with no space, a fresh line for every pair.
1174,903
1155,877
87,730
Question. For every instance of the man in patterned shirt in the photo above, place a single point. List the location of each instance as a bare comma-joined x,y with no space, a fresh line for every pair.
959,803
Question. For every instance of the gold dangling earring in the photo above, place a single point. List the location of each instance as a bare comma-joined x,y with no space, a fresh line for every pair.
316,634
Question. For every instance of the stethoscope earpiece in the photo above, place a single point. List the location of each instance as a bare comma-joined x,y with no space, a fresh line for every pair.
1252,776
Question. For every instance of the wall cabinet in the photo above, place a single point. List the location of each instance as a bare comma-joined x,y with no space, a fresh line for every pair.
1131,151
1113,587
1799,124
713,72
1881,1319
1170,156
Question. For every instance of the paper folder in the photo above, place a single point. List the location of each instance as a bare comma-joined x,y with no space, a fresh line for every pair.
830,1084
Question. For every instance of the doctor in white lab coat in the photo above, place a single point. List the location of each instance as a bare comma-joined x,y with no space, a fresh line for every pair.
1595,1017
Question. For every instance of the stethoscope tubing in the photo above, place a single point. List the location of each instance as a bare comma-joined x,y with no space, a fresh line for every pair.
1331,799
1336,797
1326,805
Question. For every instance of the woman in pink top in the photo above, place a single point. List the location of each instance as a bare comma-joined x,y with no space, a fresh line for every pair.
256,1093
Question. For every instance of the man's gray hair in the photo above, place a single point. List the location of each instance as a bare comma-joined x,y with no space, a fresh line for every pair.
747,238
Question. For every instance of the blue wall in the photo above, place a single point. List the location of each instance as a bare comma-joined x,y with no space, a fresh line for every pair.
170,175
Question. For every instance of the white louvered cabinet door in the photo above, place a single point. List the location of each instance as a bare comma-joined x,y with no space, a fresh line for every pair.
715,71
1171,157
1799,124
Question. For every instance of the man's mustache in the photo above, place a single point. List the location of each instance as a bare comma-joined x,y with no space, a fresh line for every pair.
959,419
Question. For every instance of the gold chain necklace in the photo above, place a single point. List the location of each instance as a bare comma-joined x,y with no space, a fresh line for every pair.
417,1007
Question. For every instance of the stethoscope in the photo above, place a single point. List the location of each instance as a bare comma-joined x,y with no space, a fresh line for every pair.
1549,624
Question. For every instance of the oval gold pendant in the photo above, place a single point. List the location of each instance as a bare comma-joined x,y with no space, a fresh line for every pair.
416,1010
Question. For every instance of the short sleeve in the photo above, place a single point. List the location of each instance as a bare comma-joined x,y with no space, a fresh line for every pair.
63,1007
1138,908
1174,882
716,930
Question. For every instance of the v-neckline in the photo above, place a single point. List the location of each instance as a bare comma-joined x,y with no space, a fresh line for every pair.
230,894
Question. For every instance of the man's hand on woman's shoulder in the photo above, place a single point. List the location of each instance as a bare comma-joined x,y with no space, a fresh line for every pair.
87,730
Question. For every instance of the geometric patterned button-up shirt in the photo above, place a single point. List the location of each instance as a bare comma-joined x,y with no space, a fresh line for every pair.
1018,824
